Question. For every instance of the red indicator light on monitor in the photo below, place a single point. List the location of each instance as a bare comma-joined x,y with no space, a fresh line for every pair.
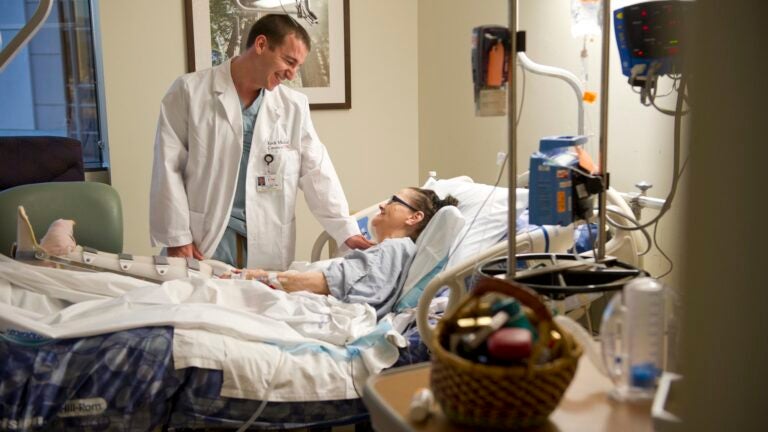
640,53
643,13
645,28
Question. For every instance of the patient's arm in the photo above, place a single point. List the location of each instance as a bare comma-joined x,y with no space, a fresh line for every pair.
292,281
307,281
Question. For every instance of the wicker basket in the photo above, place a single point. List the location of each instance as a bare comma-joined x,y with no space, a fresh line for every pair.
508,397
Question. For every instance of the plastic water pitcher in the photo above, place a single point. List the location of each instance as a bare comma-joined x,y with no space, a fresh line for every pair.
632,335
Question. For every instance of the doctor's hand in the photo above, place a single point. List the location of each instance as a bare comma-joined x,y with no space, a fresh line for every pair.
188,250
358,242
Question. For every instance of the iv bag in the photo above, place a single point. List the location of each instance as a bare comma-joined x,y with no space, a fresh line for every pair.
586,17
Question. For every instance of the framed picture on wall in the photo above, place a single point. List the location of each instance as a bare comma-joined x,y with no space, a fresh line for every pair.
217,30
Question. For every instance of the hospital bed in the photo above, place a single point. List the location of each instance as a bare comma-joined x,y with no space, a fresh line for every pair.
128,380
484,236
64,381
483,239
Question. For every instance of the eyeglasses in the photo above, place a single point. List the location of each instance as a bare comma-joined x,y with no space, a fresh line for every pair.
398,200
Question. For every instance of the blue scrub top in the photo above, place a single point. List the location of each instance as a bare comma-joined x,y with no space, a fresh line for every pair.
227,249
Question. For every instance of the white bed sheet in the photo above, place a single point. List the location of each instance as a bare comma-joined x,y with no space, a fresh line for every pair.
249,331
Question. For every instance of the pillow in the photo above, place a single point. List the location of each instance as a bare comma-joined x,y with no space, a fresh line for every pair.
491,224
432,248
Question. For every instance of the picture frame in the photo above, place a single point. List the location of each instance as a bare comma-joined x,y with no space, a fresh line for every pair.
216,30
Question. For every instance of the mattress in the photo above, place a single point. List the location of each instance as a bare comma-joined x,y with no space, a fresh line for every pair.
126,380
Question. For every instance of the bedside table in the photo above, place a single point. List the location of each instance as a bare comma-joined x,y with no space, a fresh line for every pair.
584,407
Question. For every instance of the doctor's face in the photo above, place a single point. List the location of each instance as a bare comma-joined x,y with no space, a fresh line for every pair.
280,63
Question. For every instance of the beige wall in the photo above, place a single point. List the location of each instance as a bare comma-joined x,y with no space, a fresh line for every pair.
453,141
373,145
143,48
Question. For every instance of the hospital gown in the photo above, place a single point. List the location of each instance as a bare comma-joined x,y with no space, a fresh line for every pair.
374,276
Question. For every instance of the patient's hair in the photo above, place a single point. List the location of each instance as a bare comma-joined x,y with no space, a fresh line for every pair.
429,203
276,27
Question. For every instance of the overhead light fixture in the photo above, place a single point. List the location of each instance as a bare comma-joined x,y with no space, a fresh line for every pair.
299,8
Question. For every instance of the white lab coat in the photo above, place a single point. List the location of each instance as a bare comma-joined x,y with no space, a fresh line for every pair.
198,147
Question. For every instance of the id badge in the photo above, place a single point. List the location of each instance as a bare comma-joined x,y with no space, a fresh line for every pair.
269,183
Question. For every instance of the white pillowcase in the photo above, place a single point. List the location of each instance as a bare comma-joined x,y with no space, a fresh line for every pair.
432,249
491,224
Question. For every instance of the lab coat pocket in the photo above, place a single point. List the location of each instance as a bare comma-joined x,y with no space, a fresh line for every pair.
290,163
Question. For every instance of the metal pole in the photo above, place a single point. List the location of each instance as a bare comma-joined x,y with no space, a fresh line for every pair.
562,74
604,75
512,149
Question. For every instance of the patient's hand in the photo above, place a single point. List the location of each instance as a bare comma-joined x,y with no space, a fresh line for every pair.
246,274
242,274
288,281
258,274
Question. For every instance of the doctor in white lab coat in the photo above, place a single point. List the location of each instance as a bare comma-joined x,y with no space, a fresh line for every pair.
231,149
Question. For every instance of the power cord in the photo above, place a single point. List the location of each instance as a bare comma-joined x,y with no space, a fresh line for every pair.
611,222
267,393
661,251
677,173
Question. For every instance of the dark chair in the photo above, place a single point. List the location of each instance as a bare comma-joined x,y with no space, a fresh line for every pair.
39,159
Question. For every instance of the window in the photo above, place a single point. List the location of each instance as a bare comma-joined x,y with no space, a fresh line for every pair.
53,86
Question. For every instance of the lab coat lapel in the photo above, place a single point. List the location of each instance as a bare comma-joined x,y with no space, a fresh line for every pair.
225,90
269,117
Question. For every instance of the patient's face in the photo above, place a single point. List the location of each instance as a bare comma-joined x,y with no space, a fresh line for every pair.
393,216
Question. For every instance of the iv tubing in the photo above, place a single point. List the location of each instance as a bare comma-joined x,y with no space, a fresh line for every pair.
564,75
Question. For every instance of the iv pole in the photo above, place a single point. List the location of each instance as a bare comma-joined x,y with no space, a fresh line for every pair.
604,75
512,136
512,149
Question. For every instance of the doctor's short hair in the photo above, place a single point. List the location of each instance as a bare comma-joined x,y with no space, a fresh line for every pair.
428,202
276,27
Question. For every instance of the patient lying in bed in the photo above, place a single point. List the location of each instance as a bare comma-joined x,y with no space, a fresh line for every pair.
375,275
